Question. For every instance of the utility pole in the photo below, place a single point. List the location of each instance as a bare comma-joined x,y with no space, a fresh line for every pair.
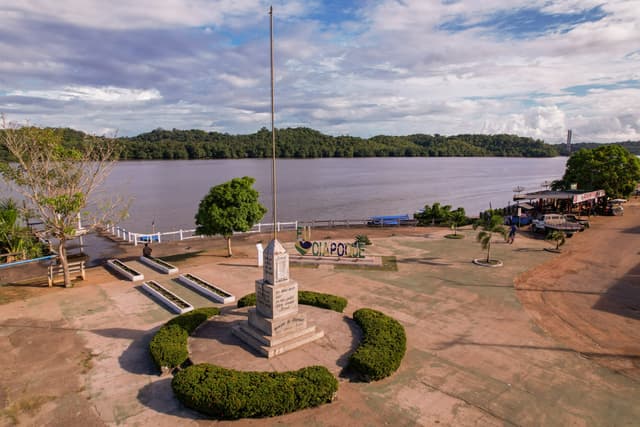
273,134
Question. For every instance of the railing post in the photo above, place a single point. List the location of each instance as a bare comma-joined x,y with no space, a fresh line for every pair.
181,234
259,227
135,239
159,237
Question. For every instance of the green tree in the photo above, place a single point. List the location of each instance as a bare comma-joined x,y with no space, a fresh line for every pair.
16,242
229,207
557,236
457,218
435,214
58,180
489,226
611,168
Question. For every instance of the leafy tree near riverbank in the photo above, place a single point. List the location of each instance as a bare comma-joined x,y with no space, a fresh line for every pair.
57,180
16,242
229,207
610,168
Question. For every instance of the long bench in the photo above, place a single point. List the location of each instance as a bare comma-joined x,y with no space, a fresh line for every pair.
75,268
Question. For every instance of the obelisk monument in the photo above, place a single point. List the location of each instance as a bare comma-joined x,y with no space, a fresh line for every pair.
275,325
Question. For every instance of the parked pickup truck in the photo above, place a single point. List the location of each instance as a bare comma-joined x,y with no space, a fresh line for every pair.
550,222
573,218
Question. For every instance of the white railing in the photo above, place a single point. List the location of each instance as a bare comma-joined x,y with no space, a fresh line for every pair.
168,236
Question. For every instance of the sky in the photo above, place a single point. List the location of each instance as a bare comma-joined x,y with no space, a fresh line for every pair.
362,68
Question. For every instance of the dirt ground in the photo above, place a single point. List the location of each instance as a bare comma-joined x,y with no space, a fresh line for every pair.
548,339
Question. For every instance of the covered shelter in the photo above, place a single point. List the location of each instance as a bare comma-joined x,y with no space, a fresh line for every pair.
563,201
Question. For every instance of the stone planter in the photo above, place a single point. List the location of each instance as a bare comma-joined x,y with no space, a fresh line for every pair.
166,297
206,288
159,264
493,263
124,270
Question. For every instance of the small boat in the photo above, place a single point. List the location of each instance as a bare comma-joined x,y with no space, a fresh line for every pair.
148,238
383,220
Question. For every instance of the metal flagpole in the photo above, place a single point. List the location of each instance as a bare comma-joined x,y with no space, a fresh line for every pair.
273,133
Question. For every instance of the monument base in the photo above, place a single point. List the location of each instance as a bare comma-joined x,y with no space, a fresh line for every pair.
288,333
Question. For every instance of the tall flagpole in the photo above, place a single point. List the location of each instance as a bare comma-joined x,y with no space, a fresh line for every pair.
273,133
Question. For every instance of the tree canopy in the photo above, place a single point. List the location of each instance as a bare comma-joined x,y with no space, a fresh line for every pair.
304,142
611,168
229,207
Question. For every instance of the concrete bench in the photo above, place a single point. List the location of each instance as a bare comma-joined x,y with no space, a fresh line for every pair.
76,269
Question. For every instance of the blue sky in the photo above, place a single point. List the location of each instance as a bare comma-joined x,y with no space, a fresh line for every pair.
533,68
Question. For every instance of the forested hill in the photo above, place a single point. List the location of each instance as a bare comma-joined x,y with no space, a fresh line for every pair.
309,143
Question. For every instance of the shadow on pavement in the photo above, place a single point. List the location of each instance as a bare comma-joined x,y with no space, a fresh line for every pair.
135,358
623,298
158,395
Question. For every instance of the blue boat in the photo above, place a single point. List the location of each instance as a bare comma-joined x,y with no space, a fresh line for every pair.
383,220
148,238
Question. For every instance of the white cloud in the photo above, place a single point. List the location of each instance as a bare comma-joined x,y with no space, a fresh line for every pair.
92,94
388,67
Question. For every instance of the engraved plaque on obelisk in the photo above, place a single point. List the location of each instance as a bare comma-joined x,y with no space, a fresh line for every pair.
276,294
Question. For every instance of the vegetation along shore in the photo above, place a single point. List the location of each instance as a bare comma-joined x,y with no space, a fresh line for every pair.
302,142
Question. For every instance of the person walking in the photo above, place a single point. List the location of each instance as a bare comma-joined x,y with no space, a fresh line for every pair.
512,233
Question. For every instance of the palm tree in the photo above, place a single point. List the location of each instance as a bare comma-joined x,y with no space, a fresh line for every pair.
489,226
457,218
557,236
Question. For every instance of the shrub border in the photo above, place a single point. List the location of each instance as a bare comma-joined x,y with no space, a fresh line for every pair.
382,348
206,388
315,299
168,347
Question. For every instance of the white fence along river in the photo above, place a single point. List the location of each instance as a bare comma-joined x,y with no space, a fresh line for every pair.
168,236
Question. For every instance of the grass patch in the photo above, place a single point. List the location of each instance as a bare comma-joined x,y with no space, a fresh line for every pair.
27,405
454,236
388,264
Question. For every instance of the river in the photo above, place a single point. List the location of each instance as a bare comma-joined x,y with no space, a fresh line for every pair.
165,194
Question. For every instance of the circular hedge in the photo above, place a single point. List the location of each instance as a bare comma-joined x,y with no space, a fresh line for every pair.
229,394
383,345
315,299
168,347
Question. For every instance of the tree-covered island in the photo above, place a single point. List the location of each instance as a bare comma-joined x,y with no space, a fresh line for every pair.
304,143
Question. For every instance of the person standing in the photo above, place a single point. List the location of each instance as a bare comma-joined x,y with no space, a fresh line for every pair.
146,251
512,233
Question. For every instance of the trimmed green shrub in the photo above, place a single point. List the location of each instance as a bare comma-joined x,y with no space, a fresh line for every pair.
383,345
328,301
191,320
315,299
229,394
168,347
362,239
247,300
